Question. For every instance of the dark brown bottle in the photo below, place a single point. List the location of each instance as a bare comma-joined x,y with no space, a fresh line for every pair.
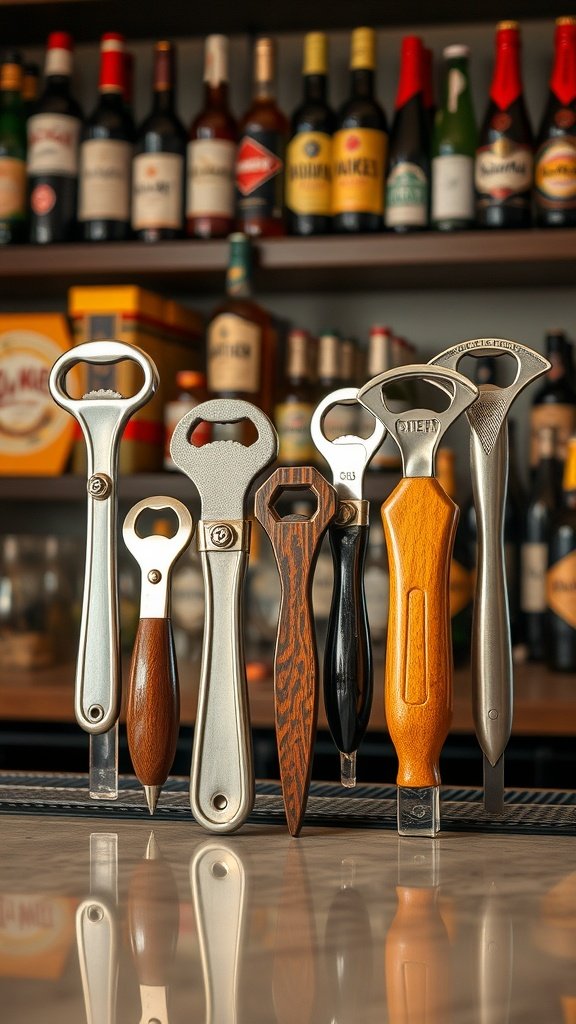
554,403
261,152
504,160
294,412
561,575
543,505
212,151
555,168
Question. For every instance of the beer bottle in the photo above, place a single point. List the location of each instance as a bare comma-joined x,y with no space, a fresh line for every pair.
294,412
543,504
408,182
555,169
561,575
454,147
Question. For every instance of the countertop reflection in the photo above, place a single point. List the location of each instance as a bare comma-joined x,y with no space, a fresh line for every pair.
112,926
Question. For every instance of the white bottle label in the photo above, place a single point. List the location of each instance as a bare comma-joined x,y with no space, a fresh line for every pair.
211,178
234,354
406,196
157,183
453,187
534,568
53,144
105,180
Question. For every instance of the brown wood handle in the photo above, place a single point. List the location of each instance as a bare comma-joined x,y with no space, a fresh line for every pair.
154,919
417,960
420,524
296,542
153,713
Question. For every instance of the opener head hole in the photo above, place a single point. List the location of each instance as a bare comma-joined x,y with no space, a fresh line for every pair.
102,381
355,420
295,504
501,369
162,522
429,396
244,431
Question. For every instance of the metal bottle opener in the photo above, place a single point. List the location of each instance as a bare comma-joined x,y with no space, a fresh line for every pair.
153,712
419,523
348,655
102,416
222,777
492,672
97,931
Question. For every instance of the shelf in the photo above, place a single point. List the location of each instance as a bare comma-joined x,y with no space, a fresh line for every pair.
27,22
471,259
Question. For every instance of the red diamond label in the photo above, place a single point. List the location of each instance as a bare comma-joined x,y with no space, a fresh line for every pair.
254,165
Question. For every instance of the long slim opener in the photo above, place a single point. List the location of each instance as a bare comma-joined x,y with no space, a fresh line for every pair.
98,931
153,712
348,655
102,416
222,777
492,672
419,524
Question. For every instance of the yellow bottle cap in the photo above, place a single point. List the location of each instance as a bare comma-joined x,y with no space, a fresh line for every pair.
567,20
569,480
363,51
503,25
315,54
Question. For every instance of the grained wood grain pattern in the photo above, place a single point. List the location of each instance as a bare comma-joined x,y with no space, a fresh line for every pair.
419,523
296,543
418,960
153,712
153,919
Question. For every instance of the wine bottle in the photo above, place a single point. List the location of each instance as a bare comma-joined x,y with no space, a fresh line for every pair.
212,151
261,152
360,145
30,86
53,141
561,575
309,154
454,147
128,87
12,151
504,160
408,181
554,403
159,158
428,87
106,153
543,504
294,412
555,166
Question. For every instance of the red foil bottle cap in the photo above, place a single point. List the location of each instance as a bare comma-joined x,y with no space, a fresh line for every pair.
411,70
563,80
507,80
60,41
112,68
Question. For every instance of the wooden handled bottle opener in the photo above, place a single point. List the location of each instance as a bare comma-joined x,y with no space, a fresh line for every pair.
419,525
222,777
153,713
296,542
348,655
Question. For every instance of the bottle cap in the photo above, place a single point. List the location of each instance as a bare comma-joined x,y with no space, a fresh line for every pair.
455,51
507,26
566,20
216,60
60,41
188,379
363,49
264,59
164,60
315,54
11,72
569,479
112,63
59,54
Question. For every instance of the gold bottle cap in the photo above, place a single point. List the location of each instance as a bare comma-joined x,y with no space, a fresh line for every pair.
363,49
264,59
445,470
502,26
569,480
11,77
566,20
315,54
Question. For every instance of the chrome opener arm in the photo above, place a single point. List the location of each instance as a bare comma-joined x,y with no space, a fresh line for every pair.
97,931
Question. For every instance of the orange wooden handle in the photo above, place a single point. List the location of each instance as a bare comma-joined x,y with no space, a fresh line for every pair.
417,960
153,713
420,524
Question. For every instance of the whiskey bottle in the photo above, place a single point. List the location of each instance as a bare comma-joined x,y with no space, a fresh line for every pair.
294,412
561,575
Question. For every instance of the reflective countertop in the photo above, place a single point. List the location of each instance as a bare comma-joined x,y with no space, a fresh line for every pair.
118,925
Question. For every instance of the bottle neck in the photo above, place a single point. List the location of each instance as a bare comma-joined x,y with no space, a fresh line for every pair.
507,79
164,78
362,80
58,83
264,90
563,80
11,100
456,85
239,275
315,88
411,80
216,95
164,101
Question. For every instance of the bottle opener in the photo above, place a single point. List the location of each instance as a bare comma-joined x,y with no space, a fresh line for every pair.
222,777
98,931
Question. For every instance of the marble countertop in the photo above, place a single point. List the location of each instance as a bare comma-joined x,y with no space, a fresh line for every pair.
110,923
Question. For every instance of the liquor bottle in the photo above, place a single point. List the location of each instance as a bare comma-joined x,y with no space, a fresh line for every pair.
505,160
454,147
261,152
555,164
30,86
12,151
53,140
241,339
408,181
212,151
294,412
461,566
543,505
159,158
554,403
106,153
309,153
561,575
359,145
428,88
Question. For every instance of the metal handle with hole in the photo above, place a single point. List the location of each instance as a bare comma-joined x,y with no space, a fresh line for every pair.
97,941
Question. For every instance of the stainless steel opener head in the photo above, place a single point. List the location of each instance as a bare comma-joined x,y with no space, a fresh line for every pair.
348,455
156,554
222,471
487,414
418,432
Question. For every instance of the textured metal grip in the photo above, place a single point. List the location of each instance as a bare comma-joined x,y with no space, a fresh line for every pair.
222,778
491,646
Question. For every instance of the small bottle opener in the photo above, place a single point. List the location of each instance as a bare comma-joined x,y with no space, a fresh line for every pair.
222,777
153,713
348,655
419,524
296,542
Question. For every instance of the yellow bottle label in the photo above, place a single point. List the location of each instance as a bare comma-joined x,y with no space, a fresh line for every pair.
359,157
561,588
555,173
293,426
309,174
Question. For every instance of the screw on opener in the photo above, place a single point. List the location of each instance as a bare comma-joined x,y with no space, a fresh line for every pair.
222,776
419,523
491,661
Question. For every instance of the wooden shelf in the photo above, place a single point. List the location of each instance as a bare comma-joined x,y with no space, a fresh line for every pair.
471,259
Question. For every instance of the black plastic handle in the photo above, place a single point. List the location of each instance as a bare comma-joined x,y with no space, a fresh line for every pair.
348,656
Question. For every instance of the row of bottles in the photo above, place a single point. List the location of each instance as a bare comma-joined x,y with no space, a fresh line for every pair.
102,179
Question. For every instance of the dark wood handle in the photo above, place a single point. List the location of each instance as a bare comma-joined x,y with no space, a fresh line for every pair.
296,542
153,713
154,919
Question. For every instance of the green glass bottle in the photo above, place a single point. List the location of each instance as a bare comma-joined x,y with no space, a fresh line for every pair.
454,147
12,151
